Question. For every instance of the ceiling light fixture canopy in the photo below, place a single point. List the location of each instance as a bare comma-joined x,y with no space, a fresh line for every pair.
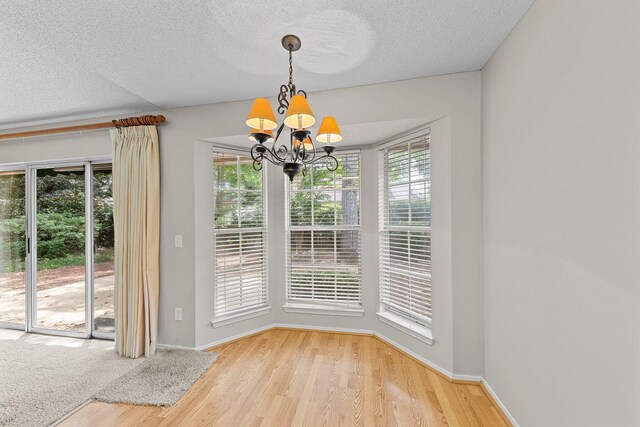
298,117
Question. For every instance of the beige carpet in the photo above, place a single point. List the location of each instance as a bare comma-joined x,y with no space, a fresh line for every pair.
160,380
43,378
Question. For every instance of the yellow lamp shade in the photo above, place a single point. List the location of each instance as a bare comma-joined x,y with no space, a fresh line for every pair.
329,131
254,131
261,116
299,115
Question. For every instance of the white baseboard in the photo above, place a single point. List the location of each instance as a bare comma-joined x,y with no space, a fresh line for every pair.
414,355
234,337
173,347
324,328
503,408
473,378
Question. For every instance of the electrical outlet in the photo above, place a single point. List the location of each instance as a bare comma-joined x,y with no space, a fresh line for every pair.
178,241
178,313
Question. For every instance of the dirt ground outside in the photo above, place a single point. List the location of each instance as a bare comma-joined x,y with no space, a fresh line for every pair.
60,298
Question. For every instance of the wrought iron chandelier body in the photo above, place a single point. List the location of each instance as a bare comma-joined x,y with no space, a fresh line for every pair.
300,152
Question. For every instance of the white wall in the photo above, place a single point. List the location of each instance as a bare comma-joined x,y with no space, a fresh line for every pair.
561,176
76,145
451,103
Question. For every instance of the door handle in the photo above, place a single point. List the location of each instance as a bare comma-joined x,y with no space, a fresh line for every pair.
28,248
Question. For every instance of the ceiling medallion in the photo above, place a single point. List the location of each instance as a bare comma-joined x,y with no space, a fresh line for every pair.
298,117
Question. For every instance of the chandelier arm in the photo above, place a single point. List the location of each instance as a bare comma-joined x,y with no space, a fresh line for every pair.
311,155
276,153
257,160
295,151
259,153
279,132
257,165
273,162
312,152
333,166
279,153
283,102
254,151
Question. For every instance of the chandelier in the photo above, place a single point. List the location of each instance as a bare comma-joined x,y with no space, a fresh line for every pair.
300,152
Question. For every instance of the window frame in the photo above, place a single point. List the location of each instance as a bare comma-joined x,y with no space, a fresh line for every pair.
392,316
264,307
314,306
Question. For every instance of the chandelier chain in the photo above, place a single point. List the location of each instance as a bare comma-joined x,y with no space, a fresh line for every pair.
290,66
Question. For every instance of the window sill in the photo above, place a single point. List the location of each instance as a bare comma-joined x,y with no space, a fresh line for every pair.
233,318
322,309
419,332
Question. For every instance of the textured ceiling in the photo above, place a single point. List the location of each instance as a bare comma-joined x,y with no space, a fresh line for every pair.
67,59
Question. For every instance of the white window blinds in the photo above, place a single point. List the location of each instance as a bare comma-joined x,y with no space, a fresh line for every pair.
323,235
405,231
239,236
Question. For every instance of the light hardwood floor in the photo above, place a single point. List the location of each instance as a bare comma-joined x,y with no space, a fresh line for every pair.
302,378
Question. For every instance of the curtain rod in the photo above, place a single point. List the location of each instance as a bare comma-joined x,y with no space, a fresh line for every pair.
130,121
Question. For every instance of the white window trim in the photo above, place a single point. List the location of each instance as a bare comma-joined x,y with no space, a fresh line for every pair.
224,320
404,324
419,332
292,307
310,307
408,136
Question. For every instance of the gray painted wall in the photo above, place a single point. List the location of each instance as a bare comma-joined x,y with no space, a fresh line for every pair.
561,156
451,103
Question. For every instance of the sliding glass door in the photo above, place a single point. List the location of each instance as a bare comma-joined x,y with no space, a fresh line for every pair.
59,258
103,279
12,248
56,249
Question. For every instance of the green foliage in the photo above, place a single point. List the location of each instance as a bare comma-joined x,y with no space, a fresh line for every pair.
416,212
12,196
231,174
71,260
238,193
60,192
59,235
322,182
408,175
12,238
324,208
103,209
60,218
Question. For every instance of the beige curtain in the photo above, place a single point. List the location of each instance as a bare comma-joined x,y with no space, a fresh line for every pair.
136,211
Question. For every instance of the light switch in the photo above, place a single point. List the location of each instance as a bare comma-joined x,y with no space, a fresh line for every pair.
178,240
178,313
